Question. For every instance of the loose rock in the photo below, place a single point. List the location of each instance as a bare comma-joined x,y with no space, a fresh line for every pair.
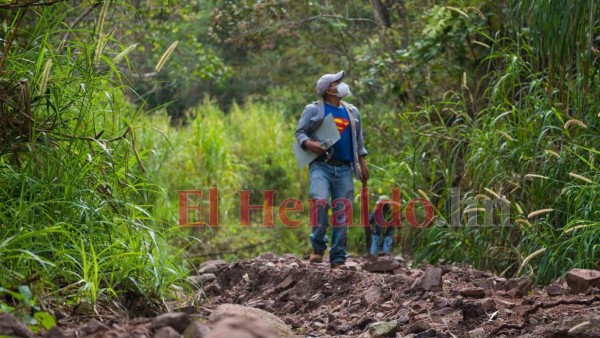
242,327
515,293
477,333
471,310
213,266
381,265
427,334
488,304
203,278
579,280
316,300
257,315
11,326
285,284
418,327
555,290
166,332
472,292
352,266
196,330
440,302
213,288
93,326
370,296
54,332
177,320
432,279
384,329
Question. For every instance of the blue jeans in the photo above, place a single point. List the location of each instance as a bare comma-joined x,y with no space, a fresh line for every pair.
387,238
327,181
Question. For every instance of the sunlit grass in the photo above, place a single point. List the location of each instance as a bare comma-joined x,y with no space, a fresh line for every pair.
76,204
534,145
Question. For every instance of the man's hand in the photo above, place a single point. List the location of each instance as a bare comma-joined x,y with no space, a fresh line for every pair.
315,147
364,171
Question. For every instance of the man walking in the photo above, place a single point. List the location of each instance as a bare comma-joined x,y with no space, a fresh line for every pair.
331,182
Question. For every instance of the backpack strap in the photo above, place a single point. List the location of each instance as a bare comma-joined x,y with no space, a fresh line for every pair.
354,142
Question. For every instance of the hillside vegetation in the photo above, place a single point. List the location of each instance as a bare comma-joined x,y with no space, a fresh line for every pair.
488,109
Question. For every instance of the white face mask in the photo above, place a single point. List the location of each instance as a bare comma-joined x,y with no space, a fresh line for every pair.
343,90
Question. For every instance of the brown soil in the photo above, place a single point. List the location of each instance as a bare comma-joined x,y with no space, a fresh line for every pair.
352,300
316,301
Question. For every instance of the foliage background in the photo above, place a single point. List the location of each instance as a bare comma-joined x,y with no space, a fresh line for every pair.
109,108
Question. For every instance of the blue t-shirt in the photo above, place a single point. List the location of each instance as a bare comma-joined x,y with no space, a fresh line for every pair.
342,149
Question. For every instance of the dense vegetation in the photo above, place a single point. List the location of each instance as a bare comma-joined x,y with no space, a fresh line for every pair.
109,108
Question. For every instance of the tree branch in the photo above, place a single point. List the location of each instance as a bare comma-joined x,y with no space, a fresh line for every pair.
84,138
321,16
10,39
32,3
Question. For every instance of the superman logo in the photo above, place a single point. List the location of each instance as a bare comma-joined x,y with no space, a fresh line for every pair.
341,124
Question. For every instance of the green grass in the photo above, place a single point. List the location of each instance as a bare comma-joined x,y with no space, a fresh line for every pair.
250,148
76,205
524,129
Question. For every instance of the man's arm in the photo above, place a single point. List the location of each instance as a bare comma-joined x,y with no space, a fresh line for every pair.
304,128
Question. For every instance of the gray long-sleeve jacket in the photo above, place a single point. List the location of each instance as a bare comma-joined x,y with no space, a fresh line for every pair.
311,120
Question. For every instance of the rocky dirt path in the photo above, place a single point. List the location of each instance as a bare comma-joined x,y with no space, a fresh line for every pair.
384,298
285,296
